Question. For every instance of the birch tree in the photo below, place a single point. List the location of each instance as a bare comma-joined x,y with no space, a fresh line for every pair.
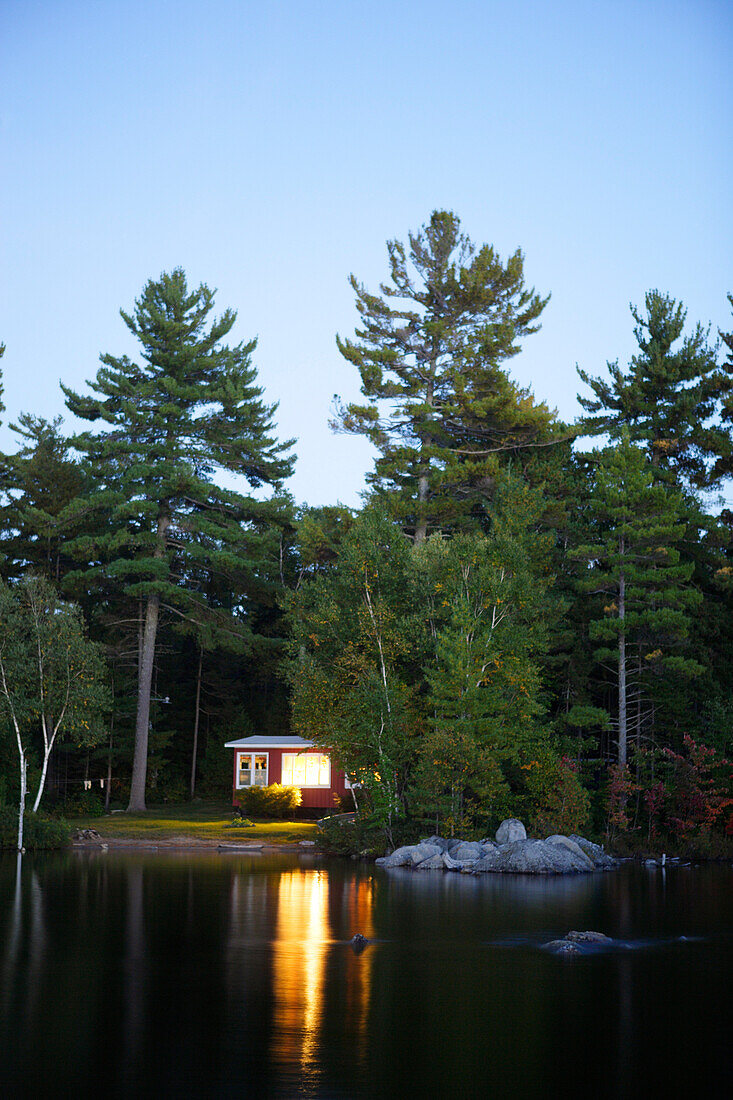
52,678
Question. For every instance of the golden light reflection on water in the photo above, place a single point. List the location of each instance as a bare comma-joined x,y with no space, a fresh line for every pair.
312,965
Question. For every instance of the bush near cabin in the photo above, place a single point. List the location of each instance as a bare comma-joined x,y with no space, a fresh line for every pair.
273,801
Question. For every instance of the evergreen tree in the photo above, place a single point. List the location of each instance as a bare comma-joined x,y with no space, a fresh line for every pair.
187,412
44,480
634,561
669,398
440,407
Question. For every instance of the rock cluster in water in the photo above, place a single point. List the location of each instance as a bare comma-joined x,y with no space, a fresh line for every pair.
511,853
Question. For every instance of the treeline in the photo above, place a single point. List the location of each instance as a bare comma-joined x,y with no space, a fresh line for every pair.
517,621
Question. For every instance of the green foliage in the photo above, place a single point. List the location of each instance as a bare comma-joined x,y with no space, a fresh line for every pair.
80,804
177,424
274,801
668,399
414,664
52,677
555,799
440,408
39,832
351,835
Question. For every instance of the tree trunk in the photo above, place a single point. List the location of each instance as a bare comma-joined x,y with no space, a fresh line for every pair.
196,723
421,527
142,722
622,669
108,785
146,660
21,809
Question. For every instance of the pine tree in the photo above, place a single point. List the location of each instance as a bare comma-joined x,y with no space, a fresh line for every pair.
634,561
669,398
187,412
440,407
44,480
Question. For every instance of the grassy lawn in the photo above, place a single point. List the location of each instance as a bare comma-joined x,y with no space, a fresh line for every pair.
196,821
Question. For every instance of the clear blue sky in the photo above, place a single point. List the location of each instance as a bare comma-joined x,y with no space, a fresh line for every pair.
272,148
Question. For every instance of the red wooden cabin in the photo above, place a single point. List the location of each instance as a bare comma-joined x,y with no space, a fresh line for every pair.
291,761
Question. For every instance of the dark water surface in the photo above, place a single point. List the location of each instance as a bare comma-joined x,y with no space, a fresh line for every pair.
231,976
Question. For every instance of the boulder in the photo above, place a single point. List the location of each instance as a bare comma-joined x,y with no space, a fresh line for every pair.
571,845
588,937
562,947
409,855
510,831
468,851
432,863
489,861
537,857
401,857
439,841
601,860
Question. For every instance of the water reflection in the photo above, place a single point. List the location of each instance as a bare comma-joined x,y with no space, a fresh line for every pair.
300,922
227,976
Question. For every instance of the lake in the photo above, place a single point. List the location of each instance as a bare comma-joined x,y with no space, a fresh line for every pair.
211,975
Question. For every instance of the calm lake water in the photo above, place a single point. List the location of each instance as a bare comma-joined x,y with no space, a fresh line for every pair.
232,976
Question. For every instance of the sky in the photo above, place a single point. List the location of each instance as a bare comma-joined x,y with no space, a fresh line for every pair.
270,149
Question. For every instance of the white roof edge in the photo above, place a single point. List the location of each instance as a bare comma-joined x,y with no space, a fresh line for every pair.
254,741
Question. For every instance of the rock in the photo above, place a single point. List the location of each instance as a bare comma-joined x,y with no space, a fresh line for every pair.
562,947
87,834
432,863
488,862
537,857
487,847
601,860
401,857
358,943
468,851
439,841
571,845
451,864
588,937
510,830
307,844
409,855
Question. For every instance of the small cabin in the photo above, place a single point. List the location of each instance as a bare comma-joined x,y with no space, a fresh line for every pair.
291,761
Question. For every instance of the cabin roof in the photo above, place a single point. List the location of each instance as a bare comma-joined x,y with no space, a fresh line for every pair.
258,742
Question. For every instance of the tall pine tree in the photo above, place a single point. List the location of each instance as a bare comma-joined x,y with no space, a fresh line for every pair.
189,411
440,407
634,562
669,398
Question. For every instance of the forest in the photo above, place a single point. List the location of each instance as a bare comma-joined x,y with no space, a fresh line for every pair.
525,617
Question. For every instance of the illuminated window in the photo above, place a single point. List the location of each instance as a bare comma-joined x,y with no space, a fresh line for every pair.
306,769
252,769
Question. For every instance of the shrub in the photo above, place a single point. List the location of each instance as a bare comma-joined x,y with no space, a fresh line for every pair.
349,835
556,800
81,804
38,832
273,801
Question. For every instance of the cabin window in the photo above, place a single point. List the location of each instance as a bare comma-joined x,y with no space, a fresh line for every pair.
252,768
306,769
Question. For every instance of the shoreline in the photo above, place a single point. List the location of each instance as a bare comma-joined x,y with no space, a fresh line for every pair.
192,844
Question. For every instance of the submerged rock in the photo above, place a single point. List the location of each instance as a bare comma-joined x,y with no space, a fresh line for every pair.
510,830
358,943
588,937
562,947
